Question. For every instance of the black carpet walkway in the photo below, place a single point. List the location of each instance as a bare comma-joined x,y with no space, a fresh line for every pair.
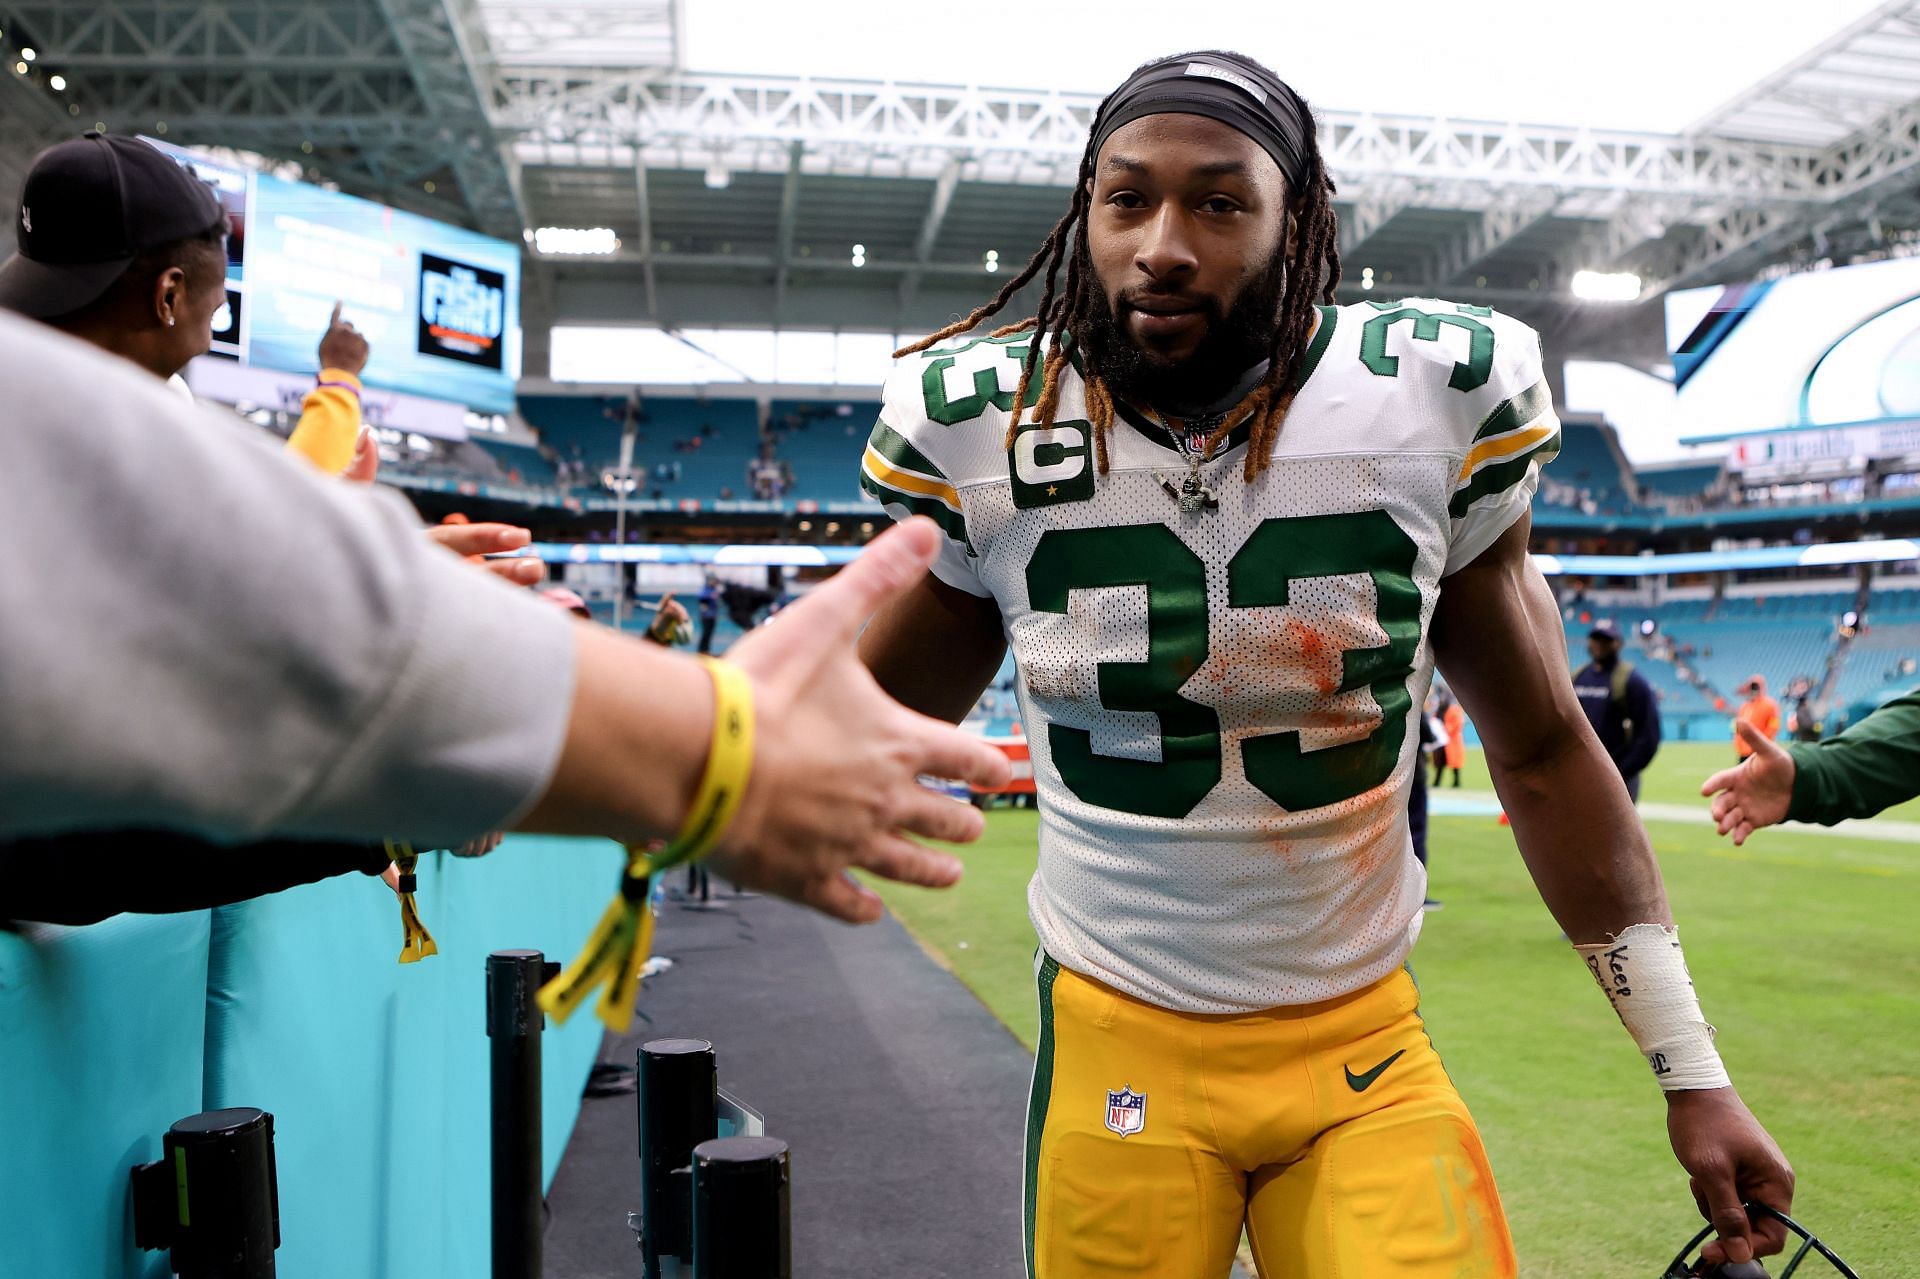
902,1098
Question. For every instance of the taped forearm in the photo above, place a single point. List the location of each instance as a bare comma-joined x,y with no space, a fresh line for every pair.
1645,978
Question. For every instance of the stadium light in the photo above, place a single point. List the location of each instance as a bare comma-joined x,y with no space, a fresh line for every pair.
592,241
1366,279
991,261
19,68
718,178
859,255
57,83
1605,286
28,55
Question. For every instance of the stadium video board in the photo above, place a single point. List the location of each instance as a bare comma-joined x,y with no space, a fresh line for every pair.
439,305
1820,349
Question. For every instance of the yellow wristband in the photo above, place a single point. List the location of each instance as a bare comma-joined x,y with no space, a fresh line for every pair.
618,947
729,765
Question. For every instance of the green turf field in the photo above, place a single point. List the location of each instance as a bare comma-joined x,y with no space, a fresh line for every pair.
1807,954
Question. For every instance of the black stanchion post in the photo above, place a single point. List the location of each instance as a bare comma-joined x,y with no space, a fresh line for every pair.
741,1222
513,1029
213,1198
678,1095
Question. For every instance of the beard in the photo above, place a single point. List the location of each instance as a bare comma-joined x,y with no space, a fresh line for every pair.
1237,339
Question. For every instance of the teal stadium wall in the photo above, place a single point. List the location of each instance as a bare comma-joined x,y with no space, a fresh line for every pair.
376,1072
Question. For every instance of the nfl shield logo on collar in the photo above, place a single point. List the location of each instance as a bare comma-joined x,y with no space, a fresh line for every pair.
1126,1111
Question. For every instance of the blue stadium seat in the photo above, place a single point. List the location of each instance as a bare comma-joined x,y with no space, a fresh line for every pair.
1680,481
588,427
821,440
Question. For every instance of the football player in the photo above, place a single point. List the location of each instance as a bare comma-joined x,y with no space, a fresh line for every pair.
1228,529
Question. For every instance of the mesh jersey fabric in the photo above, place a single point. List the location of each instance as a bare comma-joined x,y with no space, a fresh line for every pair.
1219,701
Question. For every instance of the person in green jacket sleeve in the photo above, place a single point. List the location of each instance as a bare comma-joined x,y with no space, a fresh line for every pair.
1865,770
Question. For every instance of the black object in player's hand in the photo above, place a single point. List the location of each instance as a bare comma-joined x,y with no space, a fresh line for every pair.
1684,1269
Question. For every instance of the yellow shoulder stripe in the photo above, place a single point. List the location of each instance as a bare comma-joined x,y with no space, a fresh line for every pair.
1502,447
893,477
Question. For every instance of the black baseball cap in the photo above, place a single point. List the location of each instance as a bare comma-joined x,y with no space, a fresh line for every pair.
1605,628
89,207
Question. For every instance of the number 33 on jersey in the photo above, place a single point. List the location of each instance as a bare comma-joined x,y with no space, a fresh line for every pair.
1219,694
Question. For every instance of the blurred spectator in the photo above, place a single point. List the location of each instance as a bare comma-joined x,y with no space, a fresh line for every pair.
670,625
124,248
709,611
1619,704
1759,712
1453,747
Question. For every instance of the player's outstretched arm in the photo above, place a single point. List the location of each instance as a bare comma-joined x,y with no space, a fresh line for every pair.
835,762
1497,636
935,648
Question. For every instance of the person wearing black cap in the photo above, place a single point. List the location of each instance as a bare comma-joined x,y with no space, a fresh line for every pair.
120,246
124,247
1620,705
1228,527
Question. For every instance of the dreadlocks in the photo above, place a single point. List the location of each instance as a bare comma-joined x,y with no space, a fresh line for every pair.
1309,260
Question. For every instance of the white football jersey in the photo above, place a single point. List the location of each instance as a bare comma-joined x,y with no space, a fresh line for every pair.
1220,693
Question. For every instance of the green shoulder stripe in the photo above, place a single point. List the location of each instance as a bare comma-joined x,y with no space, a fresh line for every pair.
897,449
1502,476
1518,411
939,512
1322,338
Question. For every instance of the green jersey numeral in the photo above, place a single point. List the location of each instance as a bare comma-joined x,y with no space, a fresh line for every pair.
1468,375
1148,555
1279,553
986,384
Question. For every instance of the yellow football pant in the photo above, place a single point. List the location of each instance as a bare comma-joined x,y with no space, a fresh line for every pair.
1330,1131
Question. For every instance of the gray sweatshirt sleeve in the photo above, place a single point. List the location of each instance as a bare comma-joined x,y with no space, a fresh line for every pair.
202,633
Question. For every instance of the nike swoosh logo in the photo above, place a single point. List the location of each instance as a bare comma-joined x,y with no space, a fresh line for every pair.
1360,1083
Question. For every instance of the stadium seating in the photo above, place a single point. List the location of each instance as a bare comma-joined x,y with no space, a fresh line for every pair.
1677,482
1783,637
1589,466
821,442
588,427
519,463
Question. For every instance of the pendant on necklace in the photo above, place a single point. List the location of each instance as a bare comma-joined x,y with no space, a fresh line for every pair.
1192,496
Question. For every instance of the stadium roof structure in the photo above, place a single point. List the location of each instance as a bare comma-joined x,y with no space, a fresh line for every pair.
737,199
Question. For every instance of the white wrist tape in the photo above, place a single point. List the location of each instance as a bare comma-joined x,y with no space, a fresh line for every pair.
1645,977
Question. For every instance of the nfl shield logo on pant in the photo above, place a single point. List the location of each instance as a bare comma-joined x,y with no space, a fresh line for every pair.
1126,1111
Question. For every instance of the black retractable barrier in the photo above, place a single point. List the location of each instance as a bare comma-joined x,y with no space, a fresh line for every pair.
679,1095
740,1209
514,1023
212,1198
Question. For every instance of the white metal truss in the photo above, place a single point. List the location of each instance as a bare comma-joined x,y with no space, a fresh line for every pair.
1834,90
383,96
585,33
391,97
447,49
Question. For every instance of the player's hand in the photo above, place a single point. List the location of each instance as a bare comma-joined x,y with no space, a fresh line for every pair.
366,458
1732,1162
342,346
475,542
1757,792
836,761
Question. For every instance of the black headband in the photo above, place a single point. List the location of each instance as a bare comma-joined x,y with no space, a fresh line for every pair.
1238,94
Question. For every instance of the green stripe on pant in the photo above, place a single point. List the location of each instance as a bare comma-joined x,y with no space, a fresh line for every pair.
1045,971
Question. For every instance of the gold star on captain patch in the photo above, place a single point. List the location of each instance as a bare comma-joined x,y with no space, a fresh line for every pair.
1053,490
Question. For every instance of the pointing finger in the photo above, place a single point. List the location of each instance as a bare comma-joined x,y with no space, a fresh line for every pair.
335,317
